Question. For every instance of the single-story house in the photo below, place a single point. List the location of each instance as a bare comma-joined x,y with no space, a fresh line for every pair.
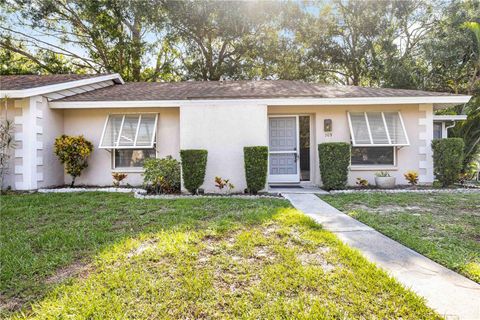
389,129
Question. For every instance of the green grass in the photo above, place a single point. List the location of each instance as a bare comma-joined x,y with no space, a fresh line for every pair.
170,259
443,227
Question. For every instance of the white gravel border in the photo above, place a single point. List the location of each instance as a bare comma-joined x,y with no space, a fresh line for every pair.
349,191
106,189
139,193
142,193
205,196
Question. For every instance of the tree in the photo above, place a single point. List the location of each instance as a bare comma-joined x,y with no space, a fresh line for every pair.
474,27
469,131
73,153
372,43
218,38
100,36
452,55
448,51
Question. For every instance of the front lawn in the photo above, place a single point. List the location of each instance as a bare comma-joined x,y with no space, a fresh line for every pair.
443,227
97,255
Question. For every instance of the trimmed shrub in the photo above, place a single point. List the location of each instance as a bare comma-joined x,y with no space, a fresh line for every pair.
447,159
256,167
194,164
334,161
73,151
162,175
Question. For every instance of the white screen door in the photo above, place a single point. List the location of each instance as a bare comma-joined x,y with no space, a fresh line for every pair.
283,149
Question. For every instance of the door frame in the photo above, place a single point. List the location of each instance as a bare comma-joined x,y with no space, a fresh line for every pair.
285,178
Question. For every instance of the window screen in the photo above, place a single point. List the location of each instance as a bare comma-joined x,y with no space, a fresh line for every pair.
373,156
132,158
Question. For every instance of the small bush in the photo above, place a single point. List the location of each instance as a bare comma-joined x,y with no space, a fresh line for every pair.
221,183
118,177
194,164
411,177
73,152
447,159
256,167
334,161
162,175
361,182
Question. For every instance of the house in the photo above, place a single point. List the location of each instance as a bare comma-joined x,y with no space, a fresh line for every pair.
441,124
389,129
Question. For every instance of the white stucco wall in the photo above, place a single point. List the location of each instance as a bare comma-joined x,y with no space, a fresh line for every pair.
223,130
36,126
416,156
49,126
90,123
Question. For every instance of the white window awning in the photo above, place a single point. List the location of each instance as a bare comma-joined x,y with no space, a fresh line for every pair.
129,131
377,129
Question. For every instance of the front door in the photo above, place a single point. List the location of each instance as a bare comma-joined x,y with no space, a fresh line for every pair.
284,166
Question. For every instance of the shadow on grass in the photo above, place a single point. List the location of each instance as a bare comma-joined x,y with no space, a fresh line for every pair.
45,238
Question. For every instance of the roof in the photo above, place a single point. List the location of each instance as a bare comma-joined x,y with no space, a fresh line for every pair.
22,82
21,86
265,89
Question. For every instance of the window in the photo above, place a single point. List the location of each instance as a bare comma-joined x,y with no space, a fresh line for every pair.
129,131
377,129
304,138
131,158
438,130
132,138
373,156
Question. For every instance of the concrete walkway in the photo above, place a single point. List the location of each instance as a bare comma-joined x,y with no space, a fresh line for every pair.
449,293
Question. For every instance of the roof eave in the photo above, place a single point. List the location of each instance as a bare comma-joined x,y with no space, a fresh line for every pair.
25,93
455,117
434,100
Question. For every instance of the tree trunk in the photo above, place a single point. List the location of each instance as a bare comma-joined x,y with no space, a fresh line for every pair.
137,51
73,182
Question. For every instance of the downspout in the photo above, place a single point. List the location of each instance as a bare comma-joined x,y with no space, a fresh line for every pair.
450,126
454,122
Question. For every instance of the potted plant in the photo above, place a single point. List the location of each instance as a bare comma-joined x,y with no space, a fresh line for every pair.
383,180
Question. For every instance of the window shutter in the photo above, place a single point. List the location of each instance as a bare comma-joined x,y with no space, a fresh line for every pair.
377,129
129,131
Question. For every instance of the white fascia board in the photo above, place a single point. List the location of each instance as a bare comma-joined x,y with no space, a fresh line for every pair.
58,87
453,100
116,104
456,117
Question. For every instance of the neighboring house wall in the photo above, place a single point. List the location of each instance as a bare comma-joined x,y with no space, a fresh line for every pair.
416,156
224,129
90,123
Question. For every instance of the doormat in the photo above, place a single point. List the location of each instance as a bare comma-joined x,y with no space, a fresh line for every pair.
289,186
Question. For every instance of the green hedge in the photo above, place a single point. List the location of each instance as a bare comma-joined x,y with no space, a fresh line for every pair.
194,164
334,161
256,166
447,159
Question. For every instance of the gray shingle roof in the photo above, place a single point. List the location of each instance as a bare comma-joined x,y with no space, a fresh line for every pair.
21,82
190,90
